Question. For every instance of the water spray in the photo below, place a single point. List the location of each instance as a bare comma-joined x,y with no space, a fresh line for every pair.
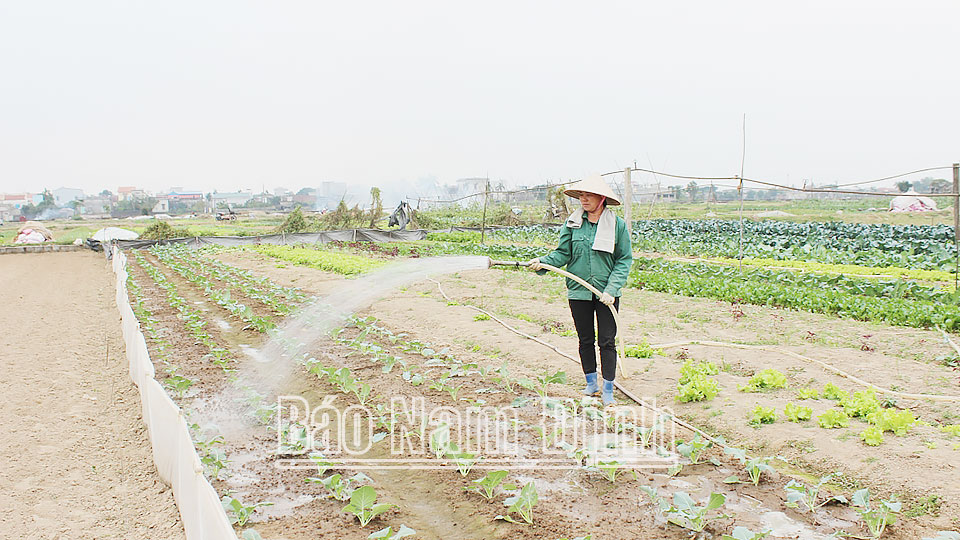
616,316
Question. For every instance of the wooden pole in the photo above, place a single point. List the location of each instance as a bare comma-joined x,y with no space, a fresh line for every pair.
483,223
956,223
956,200
743,156
628,198
740,249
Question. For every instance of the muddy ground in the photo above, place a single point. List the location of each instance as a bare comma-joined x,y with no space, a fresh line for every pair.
575,502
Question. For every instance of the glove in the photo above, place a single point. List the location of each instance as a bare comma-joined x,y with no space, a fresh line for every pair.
534,264
607,299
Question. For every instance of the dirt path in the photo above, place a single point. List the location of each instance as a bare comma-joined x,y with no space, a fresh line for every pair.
77,461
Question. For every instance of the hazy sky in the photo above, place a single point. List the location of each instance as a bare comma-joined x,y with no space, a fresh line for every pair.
238,94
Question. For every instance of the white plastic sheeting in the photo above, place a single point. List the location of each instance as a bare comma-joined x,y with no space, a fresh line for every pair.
114,233
173,452
911,201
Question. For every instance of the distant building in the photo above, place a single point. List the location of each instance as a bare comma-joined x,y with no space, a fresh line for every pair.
8,212
131,193
162,207
184,196
263,198
97,205
17,200
329,195
64,196
233,198
308,199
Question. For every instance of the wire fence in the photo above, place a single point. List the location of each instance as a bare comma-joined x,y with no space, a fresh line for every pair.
737,182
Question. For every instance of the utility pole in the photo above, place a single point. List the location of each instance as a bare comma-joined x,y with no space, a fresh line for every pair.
628,196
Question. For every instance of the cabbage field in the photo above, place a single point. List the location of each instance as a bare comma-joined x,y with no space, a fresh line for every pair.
810,390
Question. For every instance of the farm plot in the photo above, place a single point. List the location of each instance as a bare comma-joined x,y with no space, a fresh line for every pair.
427,345
928,247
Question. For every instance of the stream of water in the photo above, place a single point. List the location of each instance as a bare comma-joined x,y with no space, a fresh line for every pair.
291,342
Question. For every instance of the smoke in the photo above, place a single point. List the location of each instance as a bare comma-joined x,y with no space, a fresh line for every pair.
54,213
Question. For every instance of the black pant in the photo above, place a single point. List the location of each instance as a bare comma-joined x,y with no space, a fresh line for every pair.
583,314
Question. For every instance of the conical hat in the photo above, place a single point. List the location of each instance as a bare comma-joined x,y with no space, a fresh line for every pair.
593,184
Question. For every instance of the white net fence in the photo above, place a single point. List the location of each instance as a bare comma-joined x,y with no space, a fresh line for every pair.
173,452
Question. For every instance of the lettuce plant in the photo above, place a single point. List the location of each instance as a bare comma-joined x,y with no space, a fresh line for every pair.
642,350
762,415
872,436
860,404
832,391
899,422
697,388
797,413
766,379
833,418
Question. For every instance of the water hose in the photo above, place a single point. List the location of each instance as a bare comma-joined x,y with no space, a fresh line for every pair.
822,364
676,420
589,287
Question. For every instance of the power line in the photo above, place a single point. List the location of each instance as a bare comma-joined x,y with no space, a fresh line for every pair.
841,191
771,185
687,177
895,176
542,187
675,175
805,190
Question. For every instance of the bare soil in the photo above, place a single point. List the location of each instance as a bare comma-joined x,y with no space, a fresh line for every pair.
76,459
915,468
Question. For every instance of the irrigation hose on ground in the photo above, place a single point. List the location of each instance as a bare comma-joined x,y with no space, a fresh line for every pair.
673,418
591,288
791,354
820,363
616,317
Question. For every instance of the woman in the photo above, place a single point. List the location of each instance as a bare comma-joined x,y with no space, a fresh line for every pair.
595,246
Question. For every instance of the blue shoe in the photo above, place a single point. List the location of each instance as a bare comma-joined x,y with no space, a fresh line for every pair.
608,393
592,389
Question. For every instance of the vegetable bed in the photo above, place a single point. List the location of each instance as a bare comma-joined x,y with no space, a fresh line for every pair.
201,310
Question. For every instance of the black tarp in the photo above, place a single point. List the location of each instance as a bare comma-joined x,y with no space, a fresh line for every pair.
347,235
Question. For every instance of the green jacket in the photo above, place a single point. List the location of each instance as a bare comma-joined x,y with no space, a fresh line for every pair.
605,271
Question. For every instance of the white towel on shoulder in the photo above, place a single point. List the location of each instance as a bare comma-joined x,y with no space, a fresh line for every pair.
606,236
